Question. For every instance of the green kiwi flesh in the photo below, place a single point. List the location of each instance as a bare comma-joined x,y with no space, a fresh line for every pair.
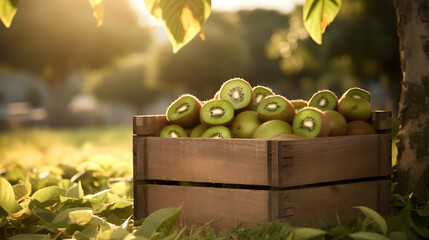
310,122
272,128
197,131
299,104
245,124
238,92
358,127
337,123
259,93
276,107
173,131
184,111
323,100
216,112
217,132
355,109
356,92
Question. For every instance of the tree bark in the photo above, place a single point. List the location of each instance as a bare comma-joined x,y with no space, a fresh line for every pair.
412,172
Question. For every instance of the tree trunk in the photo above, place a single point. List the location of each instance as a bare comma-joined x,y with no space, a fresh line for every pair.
413,138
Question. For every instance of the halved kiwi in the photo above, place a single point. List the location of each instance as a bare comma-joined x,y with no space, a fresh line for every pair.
259,93
184,111
173,131
276,107
356,92
217,132
245,124
216,112
310,122
197,131
337,123
299,104
238,92
355,109
272,128
324,100
358,127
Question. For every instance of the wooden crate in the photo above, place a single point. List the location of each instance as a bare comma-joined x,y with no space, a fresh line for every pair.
254,181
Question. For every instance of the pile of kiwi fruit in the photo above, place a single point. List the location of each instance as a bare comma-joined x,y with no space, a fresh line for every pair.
239,110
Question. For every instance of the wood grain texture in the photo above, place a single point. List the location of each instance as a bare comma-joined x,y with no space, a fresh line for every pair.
229,207
230,161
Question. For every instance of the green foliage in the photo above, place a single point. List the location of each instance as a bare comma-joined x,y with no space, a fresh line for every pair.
8,10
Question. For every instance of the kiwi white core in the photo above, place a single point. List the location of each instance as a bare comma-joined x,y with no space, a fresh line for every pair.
173,134
217,136
259,98
308,123
217,112
323,102
182,108
272,106
236,94
357,96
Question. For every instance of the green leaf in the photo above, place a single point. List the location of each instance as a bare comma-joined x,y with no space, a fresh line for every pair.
51,193
80,217
7,11
87,234
7,197
307,233
98,10
318,14
30,236
375,217
63,219
367,236
183,19
45,215
22,189
398,235
113,234
160,220
75,191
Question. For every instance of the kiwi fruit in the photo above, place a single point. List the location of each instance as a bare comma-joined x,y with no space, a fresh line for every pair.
217,132
356,92
244,124
184,111
355,109
197,131
259,93
238,92
272,128
359,127
310,122
173,131
216,112
324,100
337,123
283,136
299,104
276,107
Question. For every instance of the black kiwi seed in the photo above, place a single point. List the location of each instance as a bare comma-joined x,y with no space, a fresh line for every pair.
269,107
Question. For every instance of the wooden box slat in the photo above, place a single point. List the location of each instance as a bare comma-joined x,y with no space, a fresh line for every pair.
228,207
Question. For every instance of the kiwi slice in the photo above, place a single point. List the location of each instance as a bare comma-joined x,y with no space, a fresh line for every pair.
324,100
197,131
299,104
356,92
359,127
355,109
259,93
244,124
173,130
216,112
238,92
337,123
276,107
272,128
217,132
184,111
310,122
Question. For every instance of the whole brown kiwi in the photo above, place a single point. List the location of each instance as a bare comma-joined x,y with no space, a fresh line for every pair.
359,127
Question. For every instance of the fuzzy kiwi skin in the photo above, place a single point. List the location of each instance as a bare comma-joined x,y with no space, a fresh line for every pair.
165,131
313,103
324,124
356,92
355,109
359,127
337,123
248,86
286,115
272,128
208,125
245,124
189,120
197,131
